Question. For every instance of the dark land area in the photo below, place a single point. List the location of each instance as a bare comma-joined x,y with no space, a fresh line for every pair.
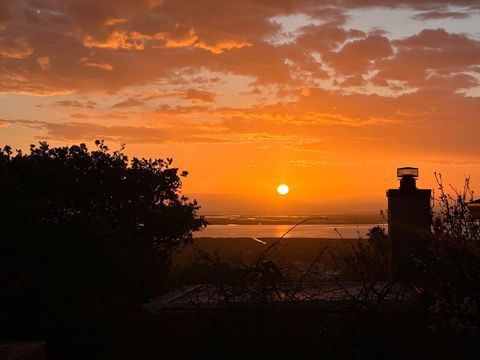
98,261
299,251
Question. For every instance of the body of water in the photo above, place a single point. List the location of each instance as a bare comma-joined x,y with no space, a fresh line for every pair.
326,231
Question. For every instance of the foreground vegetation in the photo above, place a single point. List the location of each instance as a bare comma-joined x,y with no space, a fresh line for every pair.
88,236
84,234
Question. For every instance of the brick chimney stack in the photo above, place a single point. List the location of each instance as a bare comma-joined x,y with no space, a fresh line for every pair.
409,221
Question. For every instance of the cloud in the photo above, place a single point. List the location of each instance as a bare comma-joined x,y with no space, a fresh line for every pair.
4,13
115,21
119,36
114,40
75,104
153,4
4,123
73,131
100,116
15,47
221,46
123,35
328,78
44,62
183,110
326,37
102,66
436,15
180,37
127,134
130,102
199,95
360,55
425,4
427,53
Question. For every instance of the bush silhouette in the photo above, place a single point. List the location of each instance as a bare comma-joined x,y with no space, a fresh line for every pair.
82,231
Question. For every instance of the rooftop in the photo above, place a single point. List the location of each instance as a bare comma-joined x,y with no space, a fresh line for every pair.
318,296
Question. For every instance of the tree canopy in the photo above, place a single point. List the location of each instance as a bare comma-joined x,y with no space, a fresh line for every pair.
81,229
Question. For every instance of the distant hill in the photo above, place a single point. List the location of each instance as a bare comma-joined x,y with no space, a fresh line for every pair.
223,204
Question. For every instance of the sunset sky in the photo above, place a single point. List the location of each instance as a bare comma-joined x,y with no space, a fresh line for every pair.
329,97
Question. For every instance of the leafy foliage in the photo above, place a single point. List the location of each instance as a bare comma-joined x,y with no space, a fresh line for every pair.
82,230
452,267
367,260
454,258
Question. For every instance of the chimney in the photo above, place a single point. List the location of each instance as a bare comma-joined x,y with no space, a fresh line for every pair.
409,221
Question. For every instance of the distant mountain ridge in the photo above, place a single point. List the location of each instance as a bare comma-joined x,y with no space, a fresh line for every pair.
225,204
292,220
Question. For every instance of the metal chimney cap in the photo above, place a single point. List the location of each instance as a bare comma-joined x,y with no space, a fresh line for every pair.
407,171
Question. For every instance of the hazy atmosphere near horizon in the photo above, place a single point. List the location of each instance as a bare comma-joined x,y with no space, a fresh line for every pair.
327,97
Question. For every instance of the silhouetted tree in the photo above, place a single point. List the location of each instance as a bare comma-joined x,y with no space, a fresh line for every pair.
81,231
366,260
452,266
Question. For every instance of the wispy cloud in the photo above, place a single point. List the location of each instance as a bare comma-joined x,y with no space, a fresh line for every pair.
130,102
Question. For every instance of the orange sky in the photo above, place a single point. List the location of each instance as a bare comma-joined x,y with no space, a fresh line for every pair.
329,97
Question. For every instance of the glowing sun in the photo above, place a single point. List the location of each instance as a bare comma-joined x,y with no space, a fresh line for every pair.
283,189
